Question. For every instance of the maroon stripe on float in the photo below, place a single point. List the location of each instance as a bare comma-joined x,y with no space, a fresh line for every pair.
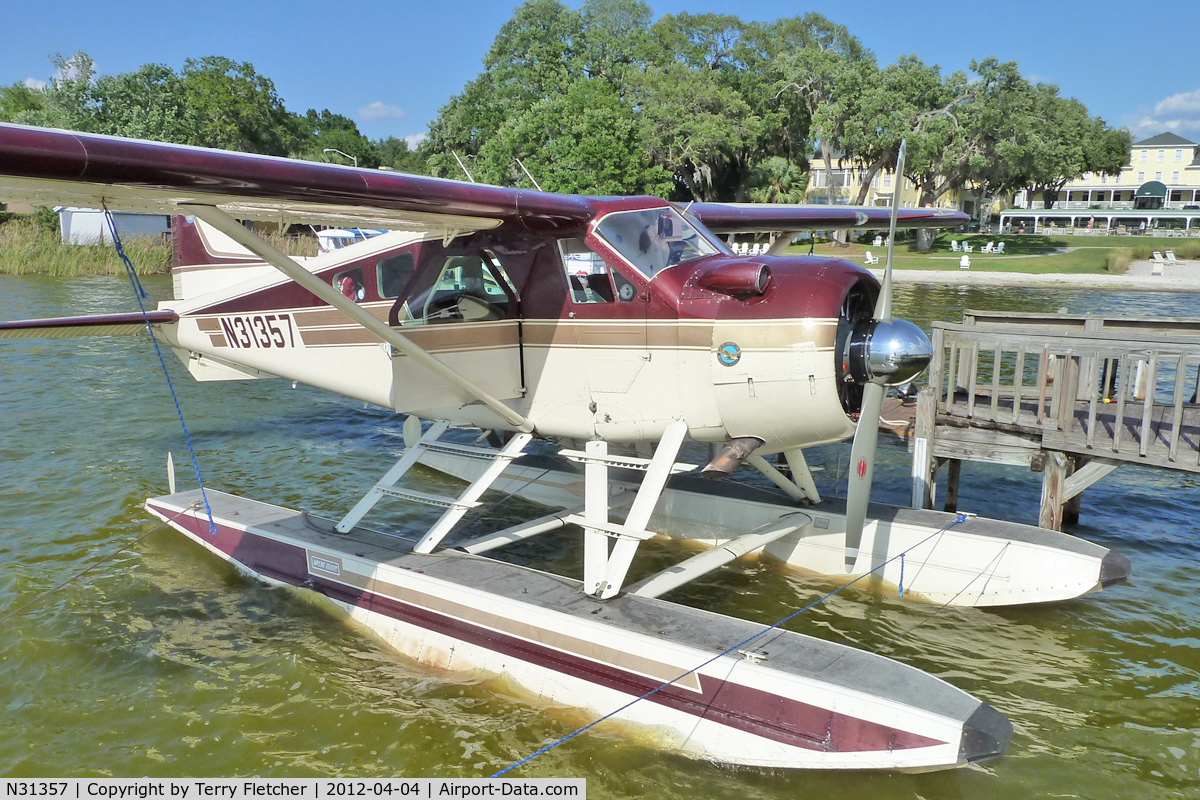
743,708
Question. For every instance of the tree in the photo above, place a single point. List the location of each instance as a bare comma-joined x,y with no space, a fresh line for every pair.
615,39
582,142
148,103
829,70
235,108
324,130
536,54
692,125
1066,142
69,101
19,101
395,153
959,127
778,181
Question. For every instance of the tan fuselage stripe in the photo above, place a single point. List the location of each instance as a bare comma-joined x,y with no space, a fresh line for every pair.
332,328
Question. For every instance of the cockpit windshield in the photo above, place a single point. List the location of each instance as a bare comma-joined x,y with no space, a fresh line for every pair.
653,239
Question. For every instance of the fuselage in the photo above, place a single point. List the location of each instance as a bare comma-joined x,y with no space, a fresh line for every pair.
611,331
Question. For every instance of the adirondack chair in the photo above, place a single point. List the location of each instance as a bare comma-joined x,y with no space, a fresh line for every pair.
877,242
987,248
964,262
870,259
967,248
999,248
1157,262
954,248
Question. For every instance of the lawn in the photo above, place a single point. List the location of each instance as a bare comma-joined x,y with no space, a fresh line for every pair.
1022,253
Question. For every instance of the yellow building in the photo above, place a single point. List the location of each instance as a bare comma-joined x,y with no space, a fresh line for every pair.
1167,159
1158,190
848,181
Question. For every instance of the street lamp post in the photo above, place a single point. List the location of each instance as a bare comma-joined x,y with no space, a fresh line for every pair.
340,153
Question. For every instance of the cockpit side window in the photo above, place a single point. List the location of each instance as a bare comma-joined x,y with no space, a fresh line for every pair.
653,239
467,289
587,274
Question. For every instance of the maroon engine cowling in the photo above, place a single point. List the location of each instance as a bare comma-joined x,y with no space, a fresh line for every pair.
737,278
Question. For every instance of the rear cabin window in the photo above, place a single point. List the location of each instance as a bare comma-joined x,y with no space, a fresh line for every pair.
393,274
350,283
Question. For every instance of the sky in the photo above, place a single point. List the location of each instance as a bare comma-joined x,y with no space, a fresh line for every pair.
391,65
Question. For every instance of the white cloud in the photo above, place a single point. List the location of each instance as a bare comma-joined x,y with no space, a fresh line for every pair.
379,111
34,83
415,139
1185,104
1179,114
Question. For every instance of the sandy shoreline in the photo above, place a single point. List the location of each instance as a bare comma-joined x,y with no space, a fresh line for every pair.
1184,277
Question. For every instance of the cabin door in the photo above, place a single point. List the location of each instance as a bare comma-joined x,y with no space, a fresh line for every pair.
463,309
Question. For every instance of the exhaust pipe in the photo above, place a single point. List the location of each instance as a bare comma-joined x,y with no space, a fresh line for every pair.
731,456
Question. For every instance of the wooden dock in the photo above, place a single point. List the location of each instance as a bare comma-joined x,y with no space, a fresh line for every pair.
1074,397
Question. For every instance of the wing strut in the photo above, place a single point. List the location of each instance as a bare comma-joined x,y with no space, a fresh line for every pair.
248,239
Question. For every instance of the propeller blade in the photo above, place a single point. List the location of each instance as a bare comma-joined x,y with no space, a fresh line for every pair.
883,306
862,468
862,453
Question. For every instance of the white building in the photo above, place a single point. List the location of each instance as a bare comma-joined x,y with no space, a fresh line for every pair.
88,226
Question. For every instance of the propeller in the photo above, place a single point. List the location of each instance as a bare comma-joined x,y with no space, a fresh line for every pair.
881,352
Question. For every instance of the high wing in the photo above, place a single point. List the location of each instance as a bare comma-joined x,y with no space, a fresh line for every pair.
768,218
54,167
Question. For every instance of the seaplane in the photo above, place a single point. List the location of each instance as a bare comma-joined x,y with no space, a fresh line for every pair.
567,350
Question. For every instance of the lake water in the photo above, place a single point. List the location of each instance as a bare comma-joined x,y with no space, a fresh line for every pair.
163,661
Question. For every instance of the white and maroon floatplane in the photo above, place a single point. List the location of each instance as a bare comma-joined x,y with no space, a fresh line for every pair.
584,341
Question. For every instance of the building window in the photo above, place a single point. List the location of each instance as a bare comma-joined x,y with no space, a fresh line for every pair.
1145,156
1086,178
1118,177
1179,154
1104,177
1158,176
1174,177
887,181
1141,177
1162,155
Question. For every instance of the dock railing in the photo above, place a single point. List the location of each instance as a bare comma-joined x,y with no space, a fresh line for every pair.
1127,392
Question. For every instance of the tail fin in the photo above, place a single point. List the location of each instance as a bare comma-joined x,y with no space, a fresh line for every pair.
205,260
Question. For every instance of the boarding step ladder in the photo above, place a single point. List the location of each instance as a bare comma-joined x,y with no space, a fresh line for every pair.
455,507
604,573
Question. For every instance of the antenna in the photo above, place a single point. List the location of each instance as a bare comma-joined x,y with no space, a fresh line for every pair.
461,164
535,183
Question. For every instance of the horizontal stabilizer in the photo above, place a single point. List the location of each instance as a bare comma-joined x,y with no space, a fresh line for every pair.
77,327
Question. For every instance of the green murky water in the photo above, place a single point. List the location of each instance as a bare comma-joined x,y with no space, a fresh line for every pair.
162,661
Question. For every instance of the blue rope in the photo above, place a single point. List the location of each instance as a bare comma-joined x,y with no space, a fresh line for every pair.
901,584
960,518
141,295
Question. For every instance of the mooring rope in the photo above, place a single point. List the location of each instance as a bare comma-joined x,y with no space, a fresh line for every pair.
141,295
194,505
959,518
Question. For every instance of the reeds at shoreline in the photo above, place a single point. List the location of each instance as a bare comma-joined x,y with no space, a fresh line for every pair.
28,248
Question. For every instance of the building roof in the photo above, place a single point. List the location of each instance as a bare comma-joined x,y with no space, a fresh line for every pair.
1162,139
